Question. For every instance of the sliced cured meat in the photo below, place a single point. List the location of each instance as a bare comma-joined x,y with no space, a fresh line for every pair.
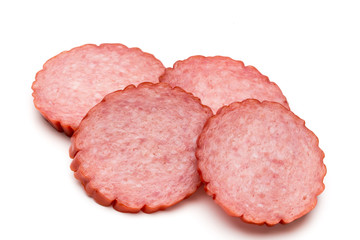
219,81
74,81
260,162
136,148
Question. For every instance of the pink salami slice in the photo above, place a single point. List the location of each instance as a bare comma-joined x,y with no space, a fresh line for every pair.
74,81
219,81
260,162
135,150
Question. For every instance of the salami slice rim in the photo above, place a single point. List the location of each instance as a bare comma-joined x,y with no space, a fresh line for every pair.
86,180
247,218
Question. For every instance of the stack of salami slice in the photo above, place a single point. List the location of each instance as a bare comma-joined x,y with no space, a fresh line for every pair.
145,137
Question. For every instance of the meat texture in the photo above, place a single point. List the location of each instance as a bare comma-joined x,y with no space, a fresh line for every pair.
260,162
74,81
219,81
135,150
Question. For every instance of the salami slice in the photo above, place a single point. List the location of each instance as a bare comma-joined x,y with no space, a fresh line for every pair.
219,81
74,81
260,162
135,150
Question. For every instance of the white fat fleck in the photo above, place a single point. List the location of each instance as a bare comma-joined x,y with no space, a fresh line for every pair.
74,85
98,96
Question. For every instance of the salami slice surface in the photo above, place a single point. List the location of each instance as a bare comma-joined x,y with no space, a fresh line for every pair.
74,81
260,162
219,81
135,150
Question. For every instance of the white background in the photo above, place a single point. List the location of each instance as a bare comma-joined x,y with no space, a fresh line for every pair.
311,49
